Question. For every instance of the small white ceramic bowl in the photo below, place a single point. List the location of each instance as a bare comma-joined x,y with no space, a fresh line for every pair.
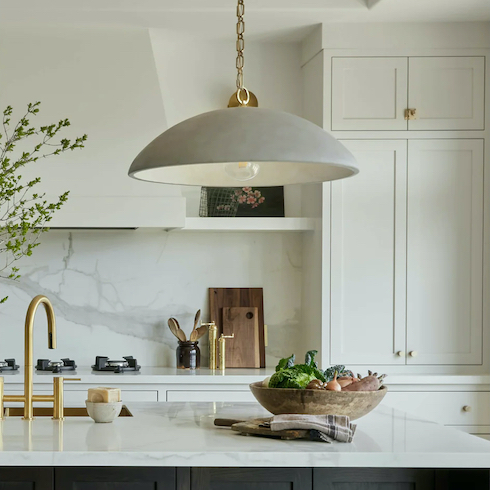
103,413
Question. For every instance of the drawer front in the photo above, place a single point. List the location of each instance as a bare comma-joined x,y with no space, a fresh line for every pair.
210,396
446,408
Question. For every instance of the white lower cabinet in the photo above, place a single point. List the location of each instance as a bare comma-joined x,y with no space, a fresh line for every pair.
462,408
406,252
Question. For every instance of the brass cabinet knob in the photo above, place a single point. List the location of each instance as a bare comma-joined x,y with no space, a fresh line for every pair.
413,353
400,353
466,408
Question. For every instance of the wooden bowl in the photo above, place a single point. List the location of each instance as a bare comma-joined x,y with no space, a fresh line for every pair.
354,404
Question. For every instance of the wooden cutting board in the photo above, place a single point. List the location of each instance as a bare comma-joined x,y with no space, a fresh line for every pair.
242,351
256,427
234,297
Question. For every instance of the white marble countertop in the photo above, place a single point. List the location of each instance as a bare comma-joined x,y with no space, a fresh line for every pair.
162,375
183,434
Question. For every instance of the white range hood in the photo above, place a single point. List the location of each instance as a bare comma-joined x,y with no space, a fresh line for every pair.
120,212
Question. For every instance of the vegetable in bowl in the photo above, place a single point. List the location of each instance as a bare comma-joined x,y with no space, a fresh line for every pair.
309,376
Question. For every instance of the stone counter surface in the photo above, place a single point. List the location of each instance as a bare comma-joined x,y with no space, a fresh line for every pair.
183,434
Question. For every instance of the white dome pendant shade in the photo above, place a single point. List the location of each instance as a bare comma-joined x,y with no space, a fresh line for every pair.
267,148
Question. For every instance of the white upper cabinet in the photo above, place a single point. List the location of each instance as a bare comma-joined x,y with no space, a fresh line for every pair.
444,251
368,241
373,93
448,92
369,93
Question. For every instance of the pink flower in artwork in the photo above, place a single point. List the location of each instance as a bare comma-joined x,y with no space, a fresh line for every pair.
247,189
242,199
251,200
255,205
237,192
261,200
257,193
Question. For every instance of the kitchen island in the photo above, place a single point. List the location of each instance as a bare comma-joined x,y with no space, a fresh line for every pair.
176,445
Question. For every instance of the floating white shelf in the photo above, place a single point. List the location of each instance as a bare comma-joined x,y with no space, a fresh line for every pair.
248,224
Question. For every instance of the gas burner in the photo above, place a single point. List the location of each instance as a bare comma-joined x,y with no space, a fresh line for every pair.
56,366
8,365
105,364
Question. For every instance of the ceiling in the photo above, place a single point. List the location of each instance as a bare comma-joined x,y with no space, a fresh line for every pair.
214,19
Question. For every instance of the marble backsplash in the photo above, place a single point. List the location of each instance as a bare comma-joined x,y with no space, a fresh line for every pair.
113,291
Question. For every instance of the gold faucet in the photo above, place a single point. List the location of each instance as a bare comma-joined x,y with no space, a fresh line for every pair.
28,397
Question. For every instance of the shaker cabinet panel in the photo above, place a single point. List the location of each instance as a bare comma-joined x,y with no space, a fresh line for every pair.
30,478
444,251
368,226
251,478
369,93
448,92
115,478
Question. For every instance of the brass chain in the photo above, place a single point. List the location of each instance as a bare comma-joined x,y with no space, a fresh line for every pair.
240,44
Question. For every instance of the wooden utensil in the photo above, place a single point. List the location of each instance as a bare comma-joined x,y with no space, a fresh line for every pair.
176,330
231,297
201,331
194,334
243,351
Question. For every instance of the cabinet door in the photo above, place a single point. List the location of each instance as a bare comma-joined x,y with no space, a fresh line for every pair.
368,251
251,479
369,93
373,479
444,251
448,92
19,478
115,478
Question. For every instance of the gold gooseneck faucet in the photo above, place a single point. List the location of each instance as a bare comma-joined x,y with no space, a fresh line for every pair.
28,397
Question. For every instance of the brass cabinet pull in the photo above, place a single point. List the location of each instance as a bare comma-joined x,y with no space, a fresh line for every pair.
410,114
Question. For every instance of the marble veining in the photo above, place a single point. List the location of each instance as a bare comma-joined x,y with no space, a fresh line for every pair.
183,434
113,291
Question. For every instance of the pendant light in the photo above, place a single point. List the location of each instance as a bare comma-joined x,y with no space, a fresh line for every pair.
244,143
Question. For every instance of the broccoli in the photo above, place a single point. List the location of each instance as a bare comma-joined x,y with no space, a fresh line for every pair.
341,371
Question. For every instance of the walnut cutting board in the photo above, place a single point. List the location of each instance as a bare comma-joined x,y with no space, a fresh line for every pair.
243,351
232,297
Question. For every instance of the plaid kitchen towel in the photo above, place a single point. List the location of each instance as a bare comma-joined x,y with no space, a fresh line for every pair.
326,428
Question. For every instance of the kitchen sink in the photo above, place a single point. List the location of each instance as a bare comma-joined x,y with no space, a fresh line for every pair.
48,412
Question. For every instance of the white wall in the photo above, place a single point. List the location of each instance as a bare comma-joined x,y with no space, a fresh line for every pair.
113,291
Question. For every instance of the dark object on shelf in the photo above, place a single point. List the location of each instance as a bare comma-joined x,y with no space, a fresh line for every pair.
242,202
105,364
218,202
56,366
220,298
8,365
188,355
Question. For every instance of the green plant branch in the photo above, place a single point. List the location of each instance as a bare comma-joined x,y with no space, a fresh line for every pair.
24,213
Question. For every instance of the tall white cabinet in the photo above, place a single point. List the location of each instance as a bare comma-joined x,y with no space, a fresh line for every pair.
445,251
368,256
405,243
406,254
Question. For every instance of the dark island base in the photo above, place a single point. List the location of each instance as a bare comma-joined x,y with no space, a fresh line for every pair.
138,478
